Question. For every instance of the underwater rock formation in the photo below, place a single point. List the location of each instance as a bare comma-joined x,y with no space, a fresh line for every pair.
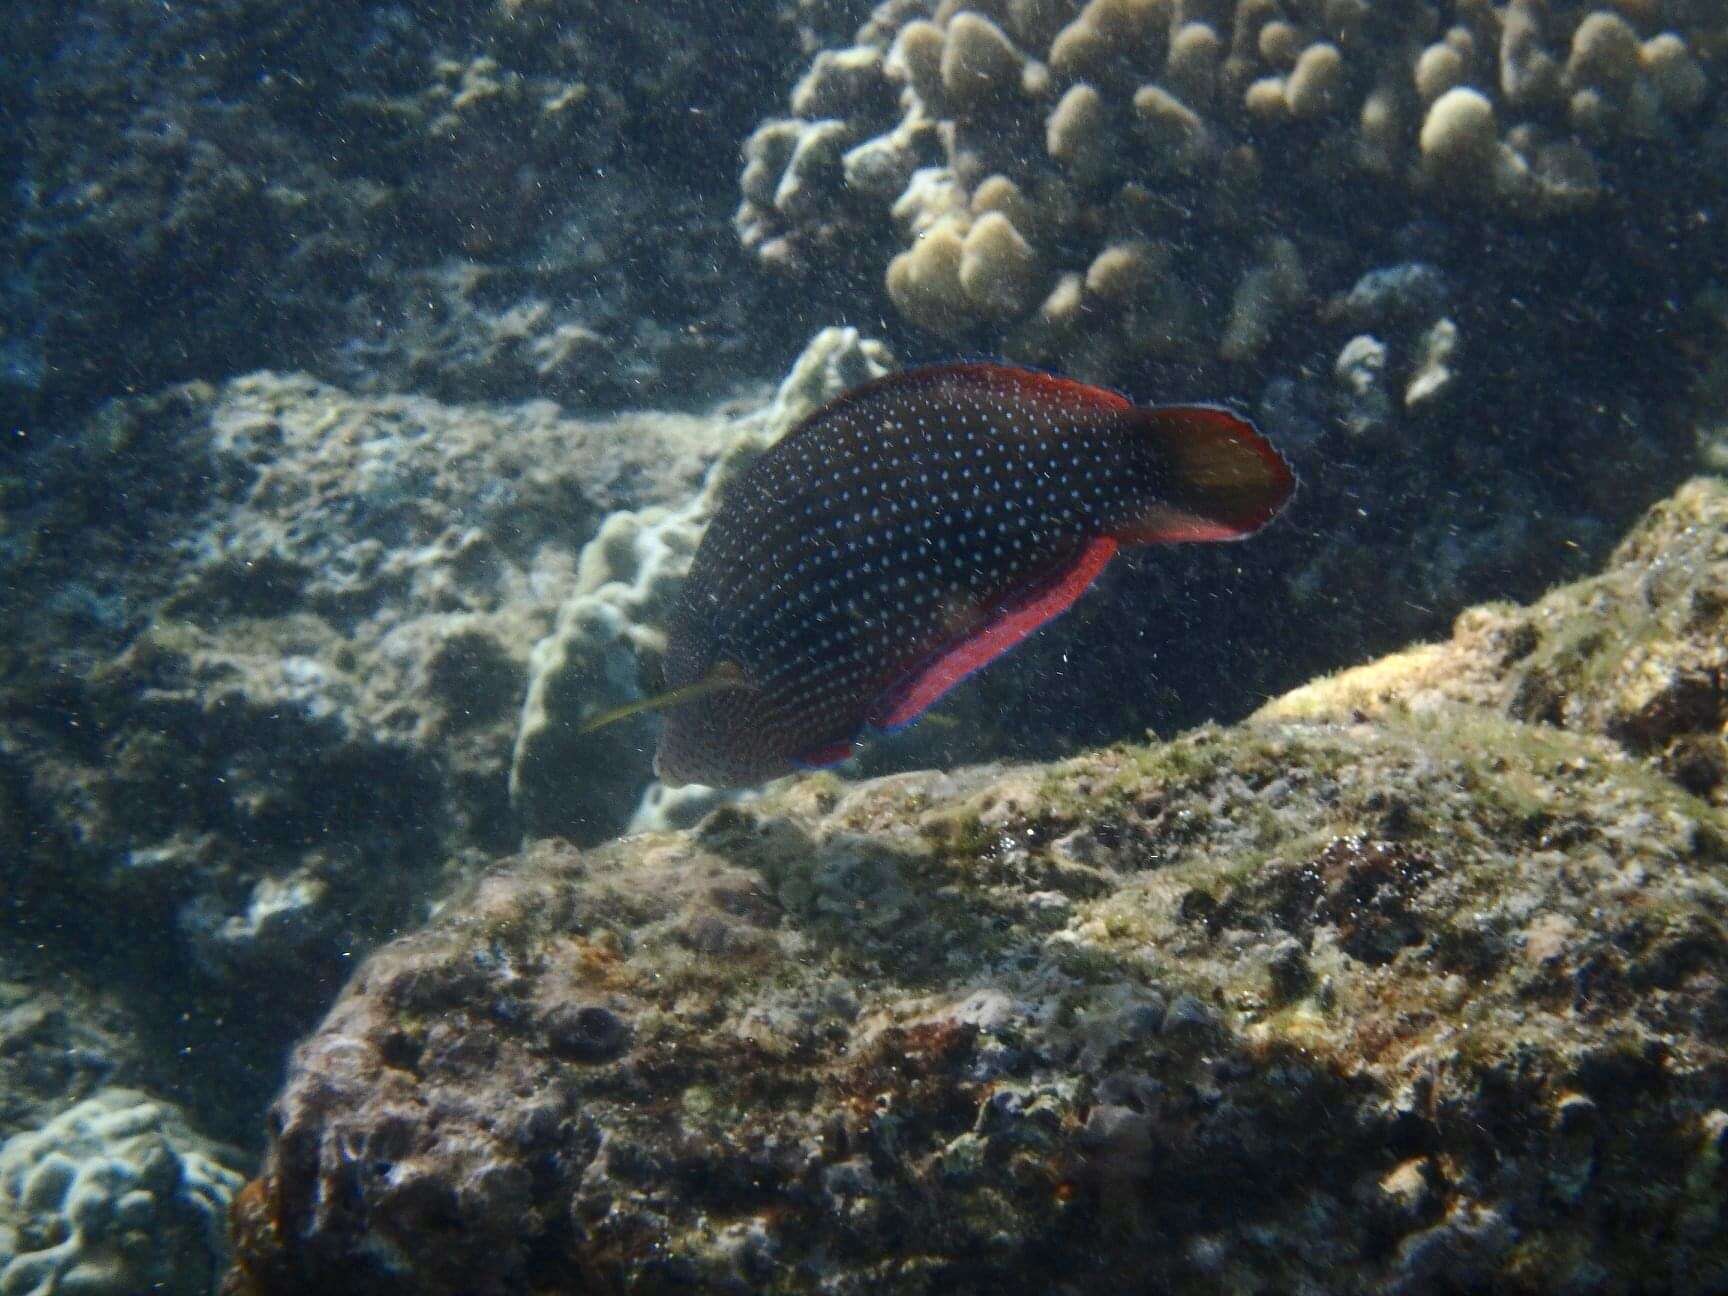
453,198
1639,653
272,642
1363,995
113,1197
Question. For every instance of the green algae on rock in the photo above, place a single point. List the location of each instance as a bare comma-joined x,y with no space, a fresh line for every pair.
1639,653
1410,998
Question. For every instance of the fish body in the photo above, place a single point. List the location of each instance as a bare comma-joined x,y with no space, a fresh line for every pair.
913,530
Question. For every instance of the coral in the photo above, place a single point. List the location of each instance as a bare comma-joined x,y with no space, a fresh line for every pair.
116,1195
612,627
1163,122
1421,996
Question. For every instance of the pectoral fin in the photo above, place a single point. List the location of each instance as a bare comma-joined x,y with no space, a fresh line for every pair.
725,675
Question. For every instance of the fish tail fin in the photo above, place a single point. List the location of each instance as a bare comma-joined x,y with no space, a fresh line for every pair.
1222,480
725,675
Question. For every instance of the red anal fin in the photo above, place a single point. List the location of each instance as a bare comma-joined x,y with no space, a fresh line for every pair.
822,757
1013,624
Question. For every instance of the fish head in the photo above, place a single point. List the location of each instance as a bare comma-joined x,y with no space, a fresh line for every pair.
720,740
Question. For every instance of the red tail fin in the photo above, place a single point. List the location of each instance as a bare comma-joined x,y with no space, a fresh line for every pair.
1226,481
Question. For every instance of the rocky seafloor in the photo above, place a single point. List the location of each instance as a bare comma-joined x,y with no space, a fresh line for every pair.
1416,981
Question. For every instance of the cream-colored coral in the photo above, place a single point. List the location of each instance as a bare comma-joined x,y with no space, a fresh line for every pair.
1080,51
1381,130
1265,99
979,62
1460,138
1075,136
1529,73
1279,43
1316,83
1439,68
1000,194
999,270
811,170
1604,52
1174,131
933,197
917,56
1192,70
924,282
1092,126
1061,309
1123,270
836,81
1434,361
1674,73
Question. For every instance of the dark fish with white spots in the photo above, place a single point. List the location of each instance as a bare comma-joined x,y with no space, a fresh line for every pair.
910,532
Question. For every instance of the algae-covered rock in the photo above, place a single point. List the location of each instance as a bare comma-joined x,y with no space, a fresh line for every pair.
1638,654
1416,997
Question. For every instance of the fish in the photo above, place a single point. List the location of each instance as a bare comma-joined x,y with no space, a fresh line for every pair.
910,532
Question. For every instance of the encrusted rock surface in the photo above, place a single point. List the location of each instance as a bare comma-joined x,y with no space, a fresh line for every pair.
271,641
482,199
1639,653
1424,996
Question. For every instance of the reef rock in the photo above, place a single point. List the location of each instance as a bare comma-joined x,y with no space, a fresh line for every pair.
1363,995
272,641
447,199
